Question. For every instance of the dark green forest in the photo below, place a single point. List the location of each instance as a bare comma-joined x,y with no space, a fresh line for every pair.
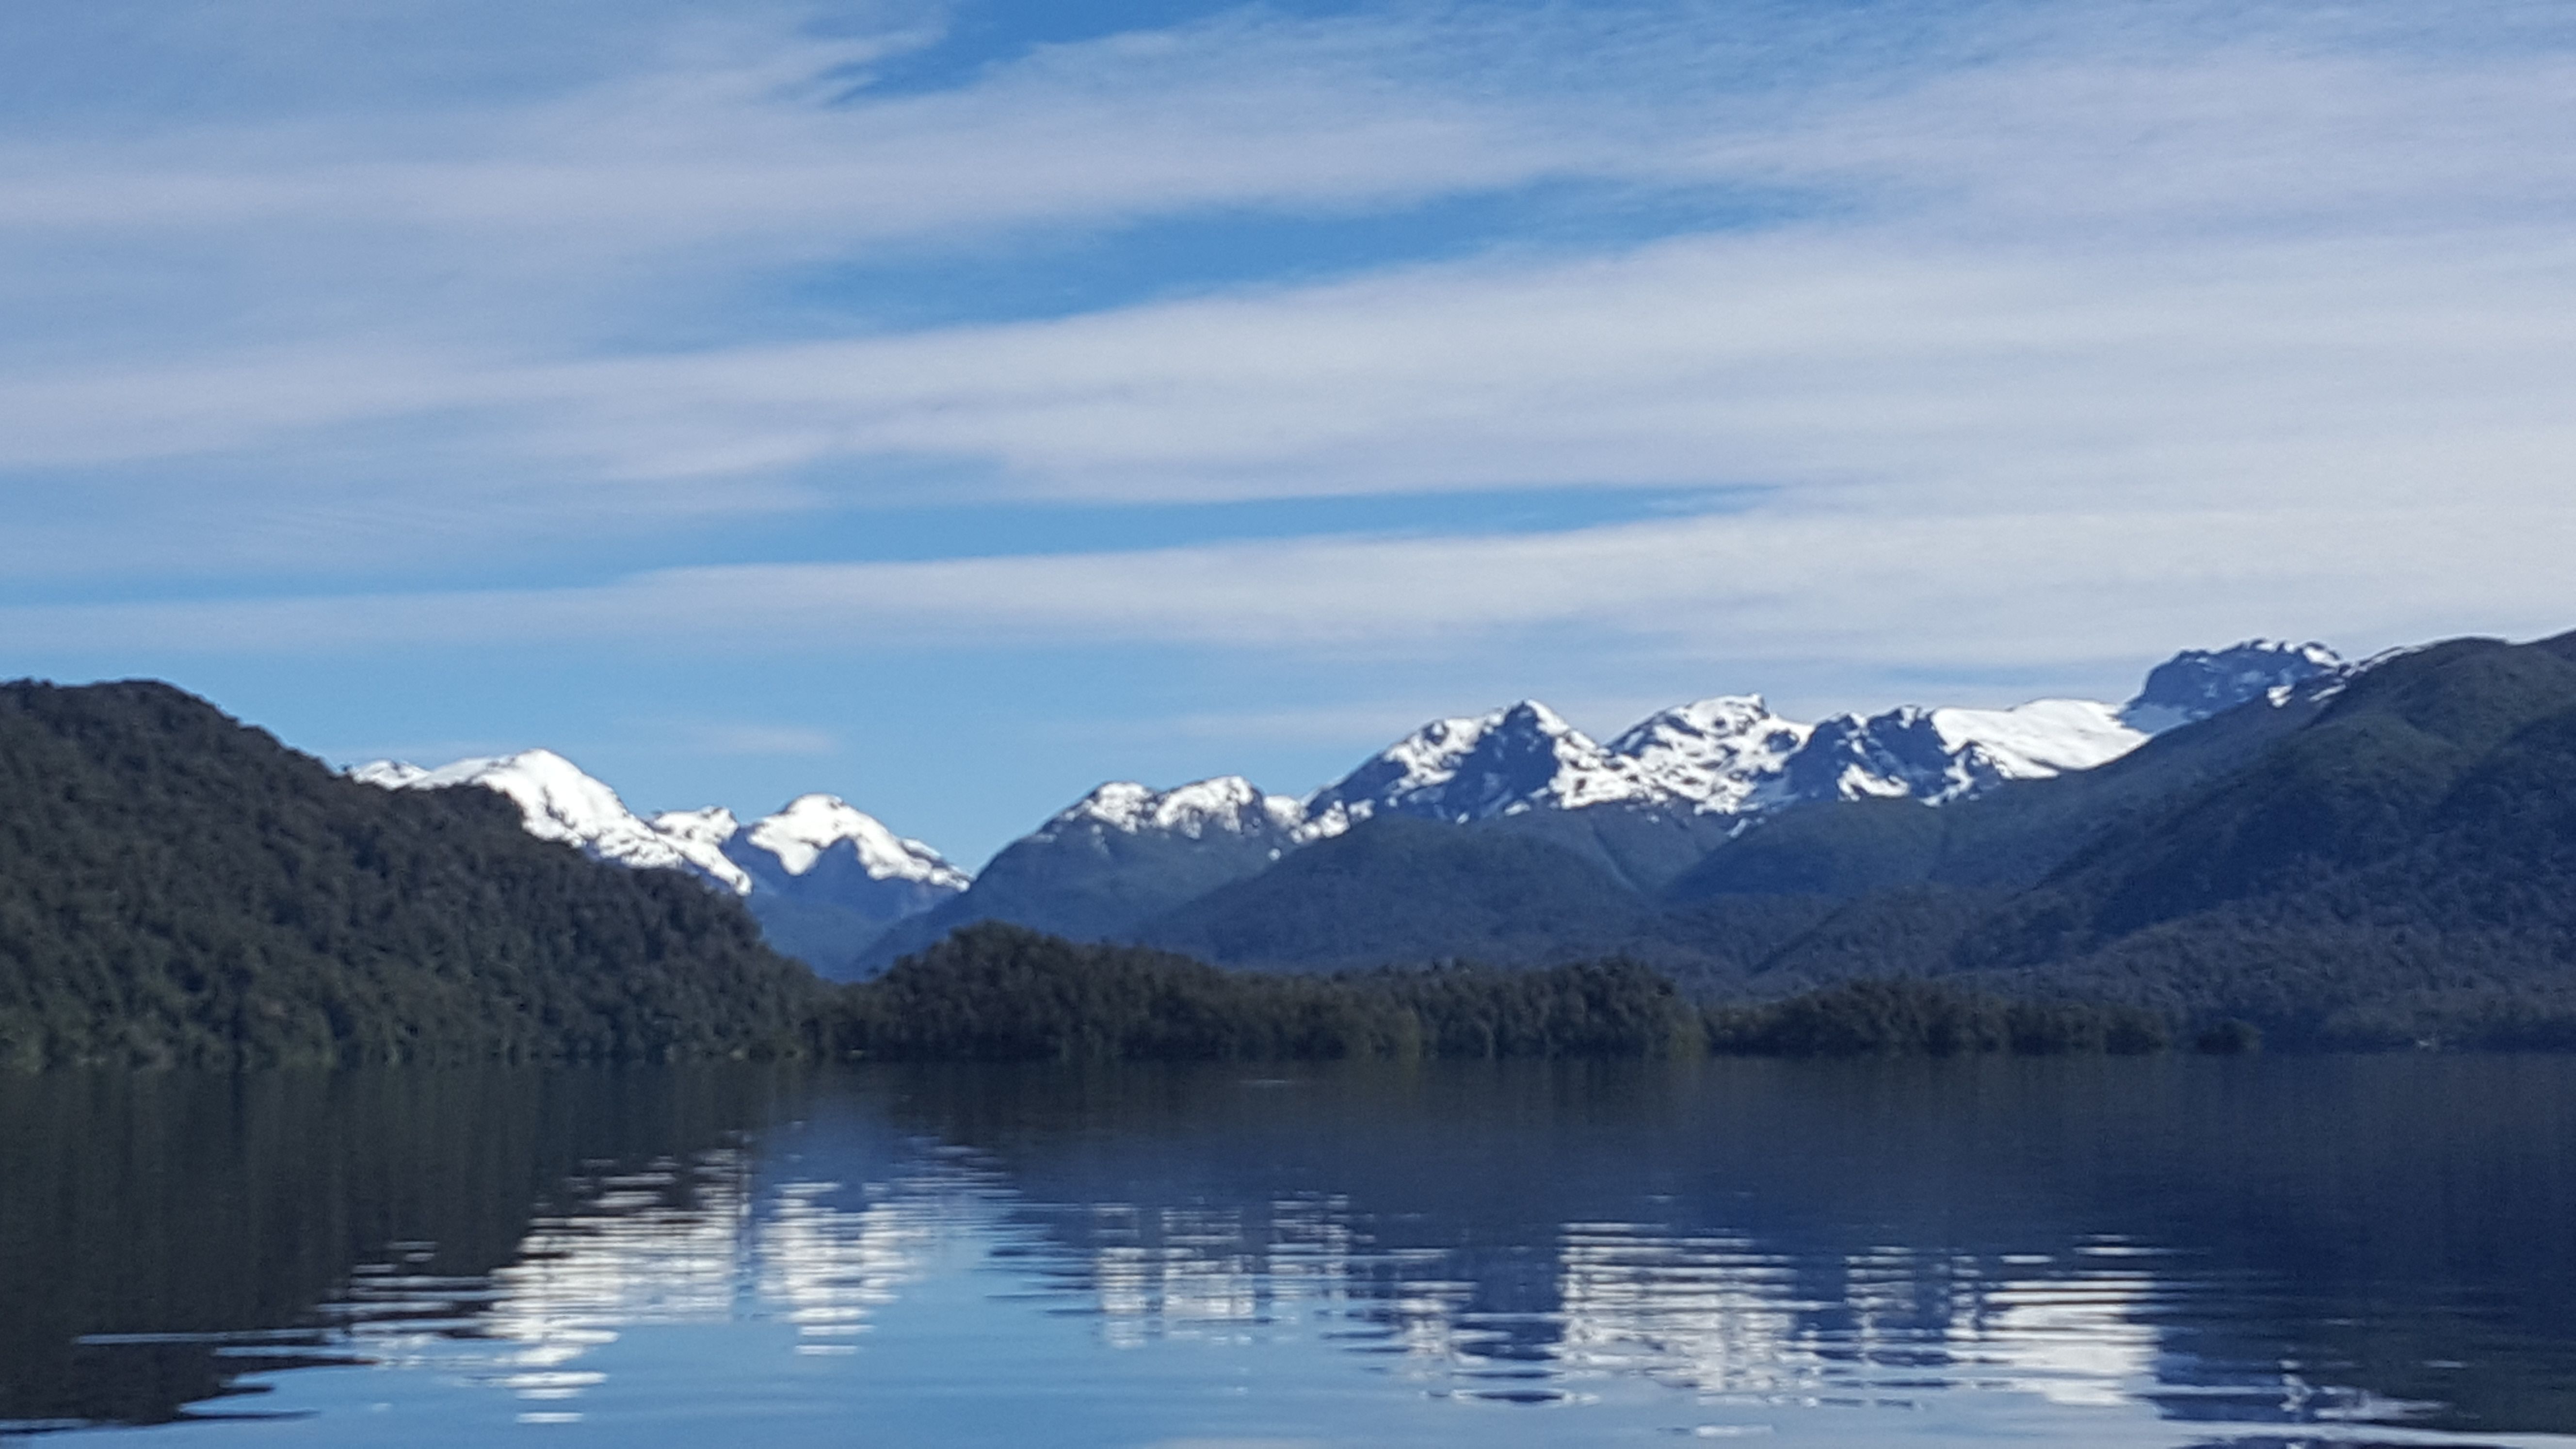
177,888
995,992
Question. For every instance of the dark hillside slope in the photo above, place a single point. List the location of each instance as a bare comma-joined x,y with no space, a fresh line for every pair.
2402,867
1085,884
2010,838
177,887
2375,773
1398,889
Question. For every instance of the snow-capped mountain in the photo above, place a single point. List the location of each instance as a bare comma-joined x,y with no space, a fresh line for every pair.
822,877
1938,755
1114,859
832,885
558,802
1727,755
1227,805
1717,753
816,837
1520,758
1730,755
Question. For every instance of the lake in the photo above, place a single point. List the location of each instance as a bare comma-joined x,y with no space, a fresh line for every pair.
2260,1253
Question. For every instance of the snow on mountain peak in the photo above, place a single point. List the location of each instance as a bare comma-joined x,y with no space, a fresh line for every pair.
1475,767
2042,738
1939,755
1713,753
713,825
558,802
809,826
1227,804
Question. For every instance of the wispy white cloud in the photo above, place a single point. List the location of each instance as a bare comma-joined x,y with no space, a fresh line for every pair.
2154,267
758,739
2067,339
1953,591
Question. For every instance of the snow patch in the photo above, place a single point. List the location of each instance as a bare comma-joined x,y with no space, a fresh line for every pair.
810,826
1227,805
558,802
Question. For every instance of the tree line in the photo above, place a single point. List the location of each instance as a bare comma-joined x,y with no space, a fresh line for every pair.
997,992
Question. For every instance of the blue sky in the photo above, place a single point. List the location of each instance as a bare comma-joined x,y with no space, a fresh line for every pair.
953,406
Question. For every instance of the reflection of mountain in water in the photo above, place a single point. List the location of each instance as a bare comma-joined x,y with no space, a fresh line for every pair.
2274,1242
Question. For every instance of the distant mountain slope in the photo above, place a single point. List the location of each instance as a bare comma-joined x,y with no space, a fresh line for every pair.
2374,854
1730,755
1641,810
2401,864
823,878
1400,889
833,887
1999,838
1113,860
176,887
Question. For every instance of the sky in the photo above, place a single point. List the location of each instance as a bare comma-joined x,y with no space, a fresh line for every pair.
954,406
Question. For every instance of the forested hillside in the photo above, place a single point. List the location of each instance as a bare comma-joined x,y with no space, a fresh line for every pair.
2401,868
178,888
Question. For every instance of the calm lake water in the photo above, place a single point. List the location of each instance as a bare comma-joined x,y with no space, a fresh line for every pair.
2259,1253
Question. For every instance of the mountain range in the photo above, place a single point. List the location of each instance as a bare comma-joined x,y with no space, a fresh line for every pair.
2374,854
834,887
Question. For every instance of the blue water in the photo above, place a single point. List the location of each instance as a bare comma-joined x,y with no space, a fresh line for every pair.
2258,1253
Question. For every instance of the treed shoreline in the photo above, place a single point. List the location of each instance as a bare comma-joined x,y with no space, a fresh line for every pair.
1003,993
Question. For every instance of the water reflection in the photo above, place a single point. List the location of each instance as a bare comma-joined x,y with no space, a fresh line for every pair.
1713,1252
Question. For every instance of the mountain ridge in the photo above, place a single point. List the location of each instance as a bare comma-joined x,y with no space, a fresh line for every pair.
832,886
1674,783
